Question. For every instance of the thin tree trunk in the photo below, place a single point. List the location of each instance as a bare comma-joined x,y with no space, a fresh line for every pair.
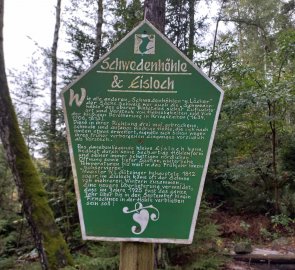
53,251
178,23
155,13
52,151
98,37
191,38
240,37
272,124
274,165
213,49
215,40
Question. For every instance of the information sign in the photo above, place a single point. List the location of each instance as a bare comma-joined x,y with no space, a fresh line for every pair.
140,125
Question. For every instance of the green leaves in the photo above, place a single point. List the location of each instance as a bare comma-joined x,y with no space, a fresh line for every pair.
255,64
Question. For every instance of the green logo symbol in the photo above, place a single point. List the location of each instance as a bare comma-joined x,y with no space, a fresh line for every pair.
144,44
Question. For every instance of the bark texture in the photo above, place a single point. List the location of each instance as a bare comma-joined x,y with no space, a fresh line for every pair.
137,256
49,242
215,39
98,36
191,38
155,13
52,151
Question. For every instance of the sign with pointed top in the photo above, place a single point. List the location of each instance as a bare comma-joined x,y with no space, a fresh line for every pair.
140,126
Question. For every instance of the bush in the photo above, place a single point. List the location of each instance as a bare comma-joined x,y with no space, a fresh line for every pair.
205,252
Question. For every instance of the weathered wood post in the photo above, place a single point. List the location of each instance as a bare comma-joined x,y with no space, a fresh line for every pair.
136,256
140,256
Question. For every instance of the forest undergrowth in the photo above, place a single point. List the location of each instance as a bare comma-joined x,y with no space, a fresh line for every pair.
224,231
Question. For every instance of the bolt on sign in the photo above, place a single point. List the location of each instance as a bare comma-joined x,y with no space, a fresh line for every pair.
140,125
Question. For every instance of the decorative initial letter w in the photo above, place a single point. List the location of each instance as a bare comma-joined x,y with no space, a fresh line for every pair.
75,97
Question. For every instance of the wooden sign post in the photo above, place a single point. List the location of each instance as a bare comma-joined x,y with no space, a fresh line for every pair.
136,256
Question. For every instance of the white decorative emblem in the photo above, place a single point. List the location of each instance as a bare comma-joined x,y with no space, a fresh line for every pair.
142,216
144,44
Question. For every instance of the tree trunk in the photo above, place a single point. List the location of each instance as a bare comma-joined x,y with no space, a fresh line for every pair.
52,131
49,242
98,37
191,38
215,39
155,13
272,124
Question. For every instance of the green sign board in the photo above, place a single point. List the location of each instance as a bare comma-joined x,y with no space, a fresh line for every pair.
140,125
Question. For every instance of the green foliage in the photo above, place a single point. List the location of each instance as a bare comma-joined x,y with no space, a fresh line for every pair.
8,202
206,249
288,200
288,158
15,237
282,220
83,262
14,233
97,255
26,85
80,21
127,16
267,235
22,265
104,249
254,62
245,226
7,263
181,26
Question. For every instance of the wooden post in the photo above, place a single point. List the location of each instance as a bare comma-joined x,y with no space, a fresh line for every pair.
136,256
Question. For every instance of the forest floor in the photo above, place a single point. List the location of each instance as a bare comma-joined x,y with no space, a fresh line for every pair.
271,241
266,237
